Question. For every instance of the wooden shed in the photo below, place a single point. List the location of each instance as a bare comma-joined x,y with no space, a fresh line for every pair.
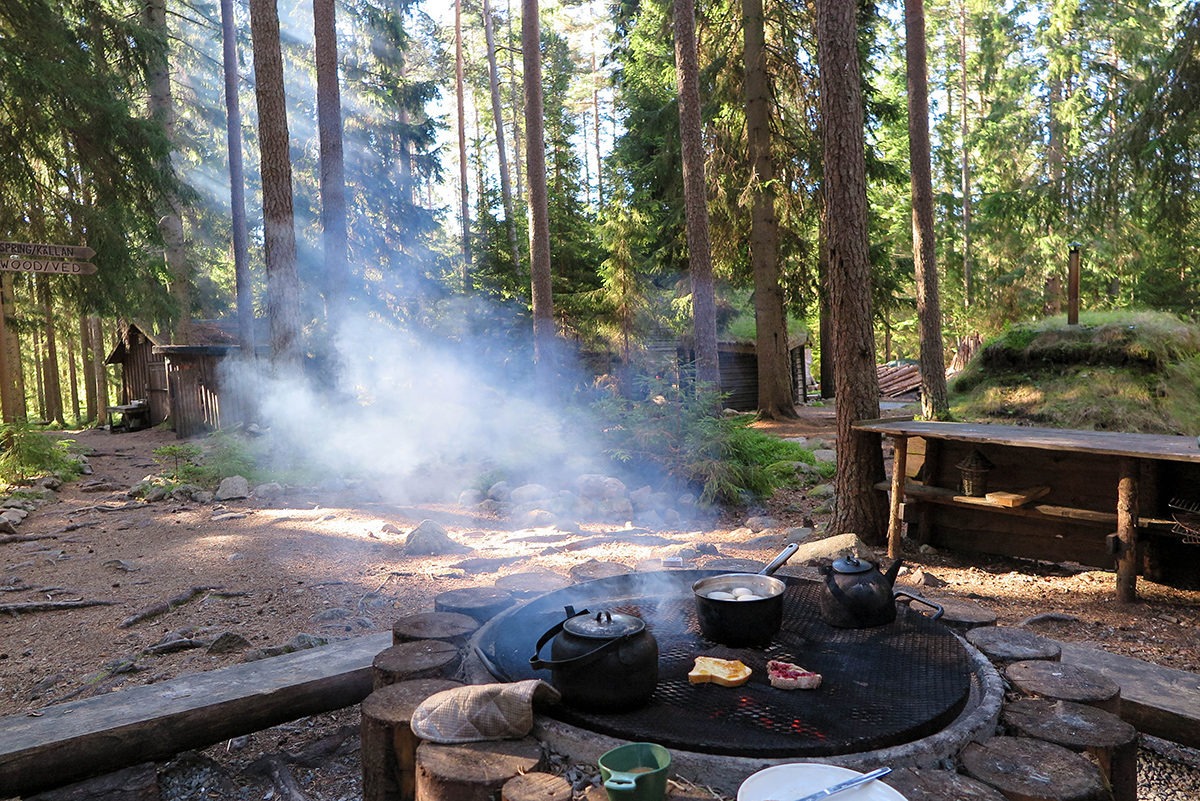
143,372
183,380
738,362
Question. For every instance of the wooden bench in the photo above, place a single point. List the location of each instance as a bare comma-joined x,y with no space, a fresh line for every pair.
67,742
134,416
1099,498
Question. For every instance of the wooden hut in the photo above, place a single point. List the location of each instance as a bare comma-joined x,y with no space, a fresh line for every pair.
738,362
143,378
183,380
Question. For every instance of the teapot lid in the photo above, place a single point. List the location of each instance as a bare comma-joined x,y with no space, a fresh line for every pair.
604,625
852,564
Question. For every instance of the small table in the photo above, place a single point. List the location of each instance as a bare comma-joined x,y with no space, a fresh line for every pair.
134,416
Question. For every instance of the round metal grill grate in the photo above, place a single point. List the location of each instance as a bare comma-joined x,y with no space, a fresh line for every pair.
882,686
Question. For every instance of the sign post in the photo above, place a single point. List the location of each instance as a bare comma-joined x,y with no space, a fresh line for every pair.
35,257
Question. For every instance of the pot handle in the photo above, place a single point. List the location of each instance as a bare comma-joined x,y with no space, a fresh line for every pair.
778,561
938,611
537,663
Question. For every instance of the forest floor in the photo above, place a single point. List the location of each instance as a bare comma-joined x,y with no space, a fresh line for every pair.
331,566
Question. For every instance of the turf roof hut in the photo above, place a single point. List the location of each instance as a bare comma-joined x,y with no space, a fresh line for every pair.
180,381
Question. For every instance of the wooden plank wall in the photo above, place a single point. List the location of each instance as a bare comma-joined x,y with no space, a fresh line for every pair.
143,374
195,395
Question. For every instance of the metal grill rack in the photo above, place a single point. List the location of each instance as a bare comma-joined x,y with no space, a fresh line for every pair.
1187,519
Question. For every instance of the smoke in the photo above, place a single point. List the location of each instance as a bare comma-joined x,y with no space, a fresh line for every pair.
418,418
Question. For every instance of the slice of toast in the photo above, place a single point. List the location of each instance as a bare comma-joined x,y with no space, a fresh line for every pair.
725,672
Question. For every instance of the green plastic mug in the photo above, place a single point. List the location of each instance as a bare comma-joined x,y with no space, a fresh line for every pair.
635,772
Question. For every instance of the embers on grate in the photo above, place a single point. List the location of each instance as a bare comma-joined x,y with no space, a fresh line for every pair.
882,686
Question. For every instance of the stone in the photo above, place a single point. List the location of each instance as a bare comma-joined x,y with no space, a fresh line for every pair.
832,548
761,522
821,491
268,491
228,642
430,539
232,488
529,493
825,455
600,487
470,497
500,491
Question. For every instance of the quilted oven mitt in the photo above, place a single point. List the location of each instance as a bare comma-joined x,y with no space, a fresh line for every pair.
481,712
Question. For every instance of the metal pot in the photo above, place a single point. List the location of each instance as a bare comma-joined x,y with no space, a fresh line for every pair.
856,595
742,623
602,662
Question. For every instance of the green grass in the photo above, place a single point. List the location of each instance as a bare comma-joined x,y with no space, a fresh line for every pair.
1136,372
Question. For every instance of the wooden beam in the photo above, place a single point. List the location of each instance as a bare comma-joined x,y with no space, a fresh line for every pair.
1127,522
68,742
899,468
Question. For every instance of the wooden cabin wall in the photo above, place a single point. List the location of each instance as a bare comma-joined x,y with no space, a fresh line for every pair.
144,376
195,395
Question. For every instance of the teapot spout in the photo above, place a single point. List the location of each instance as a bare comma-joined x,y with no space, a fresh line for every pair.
892,572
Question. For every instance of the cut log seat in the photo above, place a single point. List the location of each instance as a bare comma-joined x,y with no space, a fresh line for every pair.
1062,682
389,747
1004,645
1025,769
1112,741
416,659
449,626
939,785
473,771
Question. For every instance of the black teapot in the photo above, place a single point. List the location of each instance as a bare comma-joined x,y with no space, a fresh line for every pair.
856,595
601,662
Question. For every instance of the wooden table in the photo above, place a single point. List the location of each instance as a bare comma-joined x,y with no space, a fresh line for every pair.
1083,468
134,416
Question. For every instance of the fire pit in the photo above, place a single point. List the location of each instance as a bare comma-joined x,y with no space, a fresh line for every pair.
883,686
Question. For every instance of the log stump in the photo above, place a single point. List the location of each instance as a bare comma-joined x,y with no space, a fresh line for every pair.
1025,769
939,785
1006,644
389,747
418,659
449,626
480,603
473,771
536,787
529,585
1064,682
963,615
1079,727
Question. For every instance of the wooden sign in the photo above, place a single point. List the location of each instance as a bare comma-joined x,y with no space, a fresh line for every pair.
39,251
24,265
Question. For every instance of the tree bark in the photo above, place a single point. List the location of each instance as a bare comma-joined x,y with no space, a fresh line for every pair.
237,182
87,348
934,403
162,111
460,96
506,196
50,380
12,397
965,159
775,397
99,346
279,234
333,171
695,198
859,506
535,167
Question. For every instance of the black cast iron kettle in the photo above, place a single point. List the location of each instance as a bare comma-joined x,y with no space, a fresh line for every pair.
604,662
856,595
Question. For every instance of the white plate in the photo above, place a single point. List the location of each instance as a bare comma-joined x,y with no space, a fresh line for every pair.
789,782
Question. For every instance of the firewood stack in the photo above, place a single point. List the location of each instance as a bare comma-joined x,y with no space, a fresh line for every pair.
895,382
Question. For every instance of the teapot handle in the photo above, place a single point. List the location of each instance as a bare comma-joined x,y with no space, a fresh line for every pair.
938,610
537,663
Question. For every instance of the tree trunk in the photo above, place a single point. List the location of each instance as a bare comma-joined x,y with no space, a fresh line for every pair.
965,163
51,382
237,182
99,346
87,348
162,111
12,396
460,96
333,172
775,397
501,147
934,403
825,324
859,506
695,198
73,377
535,167
279,234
